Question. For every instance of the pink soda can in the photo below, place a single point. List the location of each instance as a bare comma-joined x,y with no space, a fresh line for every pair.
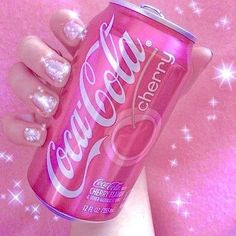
126,78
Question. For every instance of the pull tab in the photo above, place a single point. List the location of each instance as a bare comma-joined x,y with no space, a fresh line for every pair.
152,10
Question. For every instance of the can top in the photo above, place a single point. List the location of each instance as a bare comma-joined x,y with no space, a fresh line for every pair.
155,14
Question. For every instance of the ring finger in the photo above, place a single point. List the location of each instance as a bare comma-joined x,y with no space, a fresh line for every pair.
32,91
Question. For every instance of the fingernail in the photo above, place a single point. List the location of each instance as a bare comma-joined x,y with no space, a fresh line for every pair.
56,70
32,135
45,102
209,53
73,30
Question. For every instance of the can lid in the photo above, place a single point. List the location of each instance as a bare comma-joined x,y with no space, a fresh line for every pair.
156,15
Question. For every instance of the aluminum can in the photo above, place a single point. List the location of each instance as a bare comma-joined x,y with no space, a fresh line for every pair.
126,78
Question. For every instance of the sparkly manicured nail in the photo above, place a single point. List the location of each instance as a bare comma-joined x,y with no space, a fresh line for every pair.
44,101
32,134
74,30
56,70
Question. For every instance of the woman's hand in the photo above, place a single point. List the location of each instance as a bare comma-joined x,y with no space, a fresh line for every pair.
37,80
38,77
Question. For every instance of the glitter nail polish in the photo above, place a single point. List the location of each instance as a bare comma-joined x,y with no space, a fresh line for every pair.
74,30
56,70
44,101
32,134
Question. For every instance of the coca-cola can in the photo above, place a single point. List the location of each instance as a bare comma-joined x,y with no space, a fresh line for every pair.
126,78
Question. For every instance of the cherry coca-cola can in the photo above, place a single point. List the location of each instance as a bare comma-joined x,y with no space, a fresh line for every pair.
126,78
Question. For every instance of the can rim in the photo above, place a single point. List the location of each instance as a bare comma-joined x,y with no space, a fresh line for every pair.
155,17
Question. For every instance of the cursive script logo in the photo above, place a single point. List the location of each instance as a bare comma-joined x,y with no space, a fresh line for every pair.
109,186
79,133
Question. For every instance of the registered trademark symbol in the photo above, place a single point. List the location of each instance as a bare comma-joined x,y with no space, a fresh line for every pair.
149,43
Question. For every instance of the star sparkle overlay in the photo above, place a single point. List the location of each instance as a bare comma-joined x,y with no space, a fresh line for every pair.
186,134
225,74
186,213
14,197
212,117
173,163
5,156
17,183
173,146
213,102
223,23
182,203
179,10
195,7
179,203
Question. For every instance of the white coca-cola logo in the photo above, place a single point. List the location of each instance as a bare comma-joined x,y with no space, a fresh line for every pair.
80,131
109,186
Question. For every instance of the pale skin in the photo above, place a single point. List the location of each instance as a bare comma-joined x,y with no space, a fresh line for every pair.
29,75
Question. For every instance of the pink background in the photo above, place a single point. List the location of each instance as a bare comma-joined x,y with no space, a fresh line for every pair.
203,180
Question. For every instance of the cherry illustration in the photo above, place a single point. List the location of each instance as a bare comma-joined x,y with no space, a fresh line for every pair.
132,137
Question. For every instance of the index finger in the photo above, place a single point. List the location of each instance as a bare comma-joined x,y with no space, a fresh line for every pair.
68,28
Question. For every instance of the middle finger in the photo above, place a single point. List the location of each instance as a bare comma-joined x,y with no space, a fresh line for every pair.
44,61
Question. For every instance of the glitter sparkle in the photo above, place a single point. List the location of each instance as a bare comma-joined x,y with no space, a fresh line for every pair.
193,5
46,103
73,30
179,10
212,117
226,74
178,203
188,138
56,70
32,134
173,146
195,8
198,11
213,102
55,218
185,130
36,217
15,197
167,178
173,163
74,14
17,184
6,156
224,21
186,214
34,209
27,208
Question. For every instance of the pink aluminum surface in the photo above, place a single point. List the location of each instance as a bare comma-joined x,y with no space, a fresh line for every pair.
126,78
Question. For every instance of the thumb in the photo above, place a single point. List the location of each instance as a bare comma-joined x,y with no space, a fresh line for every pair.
201,57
